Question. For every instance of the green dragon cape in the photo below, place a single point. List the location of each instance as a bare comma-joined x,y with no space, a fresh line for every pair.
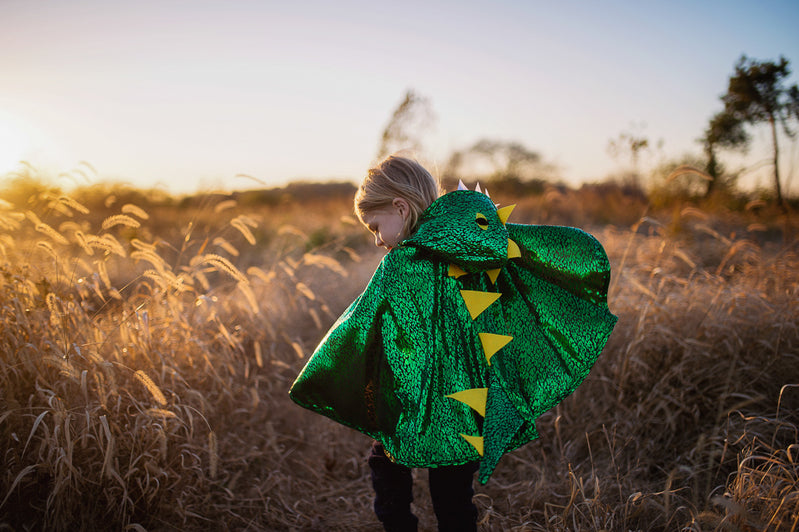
467,332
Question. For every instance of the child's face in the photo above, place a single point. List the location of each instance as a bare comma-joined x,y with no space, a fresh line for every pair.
387,224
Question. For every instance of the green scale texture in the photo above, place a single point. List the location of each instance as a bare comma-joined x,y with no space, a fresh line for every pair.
386,366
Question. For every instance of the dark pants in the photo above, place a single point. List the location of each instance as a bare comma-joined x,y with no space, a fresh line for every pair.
450,490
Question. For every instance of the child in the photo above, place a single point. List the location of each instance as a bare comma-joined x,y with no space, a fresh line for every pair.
469,330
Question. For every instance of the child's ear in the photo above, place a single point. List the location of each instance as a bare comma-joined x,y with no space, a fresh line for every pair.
402,206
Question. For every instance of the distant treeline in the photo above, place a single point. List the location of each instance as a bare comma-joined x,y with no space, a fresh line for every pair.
288,194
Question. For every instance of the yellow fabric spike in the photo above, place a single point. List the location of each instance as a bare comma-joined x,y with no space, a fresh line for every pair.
504,213
477,302
513,249
493,274
493,343
455,271
474,398
476,441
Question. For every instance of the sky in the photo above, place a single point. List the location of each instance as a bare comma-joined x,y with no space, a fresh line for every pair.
191,95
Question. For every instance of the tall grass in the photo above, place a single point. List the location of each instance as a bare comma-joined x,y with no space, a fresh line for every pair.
146,352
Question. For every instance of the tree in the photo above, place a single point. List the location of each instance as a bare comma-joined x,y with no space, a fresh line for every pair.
723,131
634,145
757,94
405,129
497,160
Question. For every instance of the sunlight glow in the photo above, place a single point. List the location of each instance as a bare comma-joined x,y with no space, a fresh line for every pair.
15,142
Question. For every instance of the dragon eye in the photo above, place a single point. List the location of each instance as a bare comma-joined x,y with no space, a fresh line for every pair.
481,220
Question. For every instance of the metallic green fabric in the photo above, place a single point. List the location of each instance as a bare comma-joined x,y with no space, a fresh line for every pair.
389,363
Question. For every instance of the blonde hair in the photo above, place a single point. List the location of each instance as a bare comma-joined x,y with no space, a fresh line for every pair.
397,177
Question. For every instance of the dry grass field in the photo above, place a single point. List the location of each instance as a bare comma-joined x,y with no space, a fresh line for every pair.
147,346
